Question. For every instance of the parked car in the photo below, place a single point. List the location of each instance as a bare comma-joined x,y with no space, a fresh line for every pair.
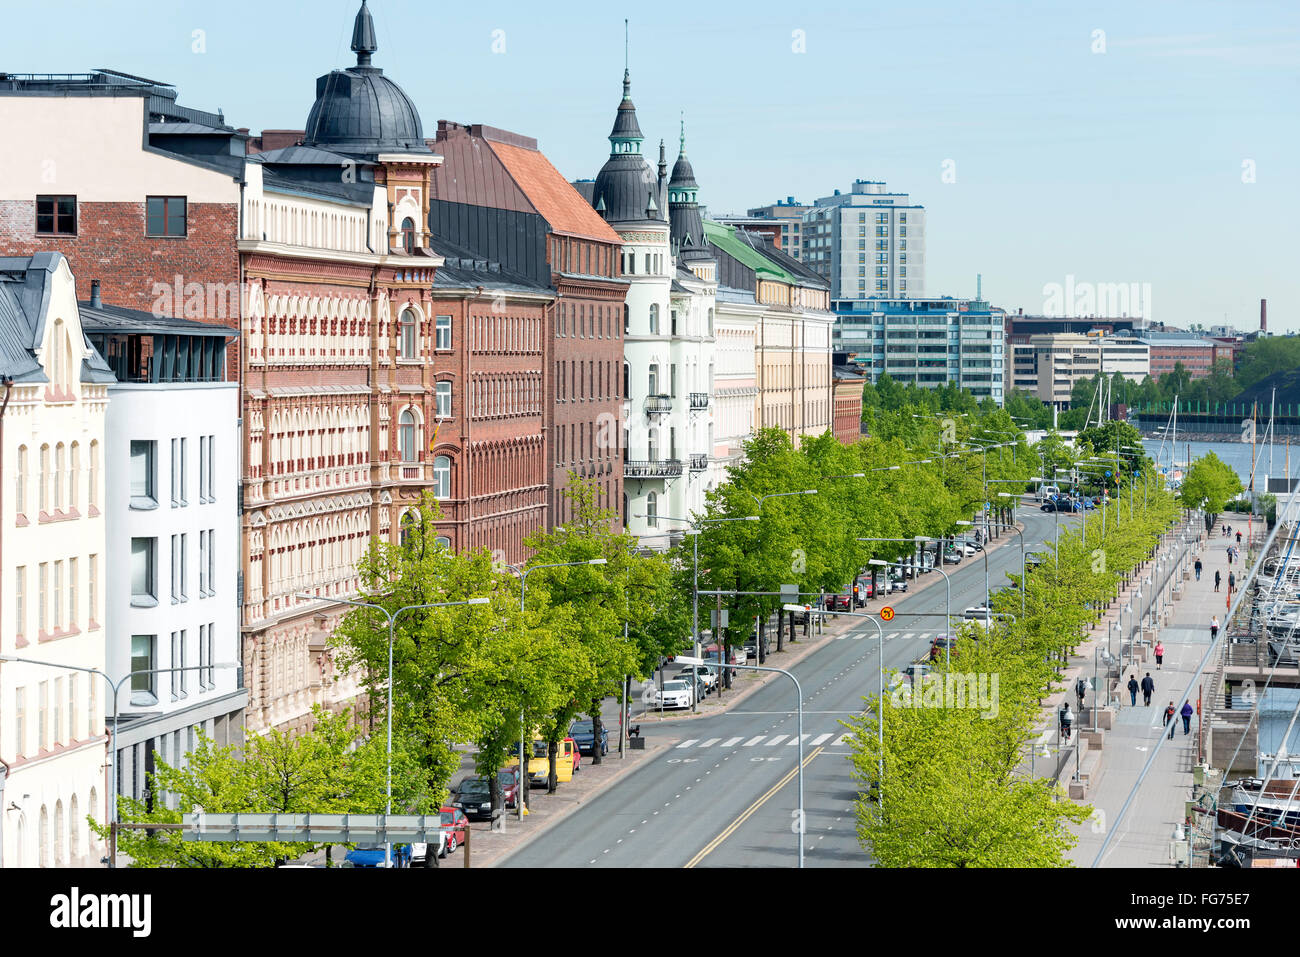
968,548
583,731
977,613
474,798
707,677
454,823
917,670
951,556
674,694
837,602
701,689
567,761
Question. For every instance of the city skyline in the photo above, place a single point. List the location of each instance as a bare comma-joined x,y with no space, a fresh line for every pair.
1060,168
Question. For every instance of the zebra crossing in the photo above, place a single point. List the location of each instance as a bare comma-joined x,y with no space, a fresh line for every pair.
769,741
891,635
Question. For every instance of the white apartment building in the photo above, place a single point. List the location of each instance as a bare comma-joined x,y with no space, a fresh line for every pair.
867,242
1049,365
171,455
53,570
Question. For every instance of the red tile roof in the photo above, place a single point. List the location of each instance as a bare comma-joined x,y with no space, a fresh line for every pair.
559,203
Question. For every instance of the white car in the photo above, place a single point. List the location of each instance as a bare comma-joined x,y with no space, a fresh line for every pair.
419,851
968,548
706,674
675,694
978,613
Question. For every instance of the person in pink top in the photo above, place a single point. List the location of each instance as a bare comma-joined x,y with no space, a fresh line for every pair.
1160,653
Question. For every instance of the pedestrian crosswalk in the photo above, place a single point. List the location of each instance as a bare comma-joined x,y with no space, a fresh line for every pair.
771,741
890,635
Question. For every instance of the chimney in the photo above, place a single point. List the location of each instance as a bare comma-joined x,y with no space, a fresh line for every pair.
95,302
1263,315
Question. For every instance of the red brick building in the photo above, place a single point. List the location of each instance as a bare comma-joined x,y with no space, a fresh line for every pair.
1170,348
497,194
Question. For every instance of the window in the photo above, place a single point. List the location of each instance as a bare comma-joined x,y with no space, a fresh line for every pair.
654,319
408,234
406,436
42,598
442,332
180,683
56,215
179,451
442,400
444,541
406,335
205,656
710,320
179,543
672,380
92,491
44,481
142,493
205,562
20,721
42,717
73,729
20,482
627,318
652,510
58,596
142,572
442,477
165,216
74,473
20,600
654,379
56,736
142,663
60,463
92,589
72,592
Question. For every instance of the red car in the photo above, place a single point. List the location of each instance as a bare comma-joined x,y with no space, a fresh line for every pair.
837,603
454,823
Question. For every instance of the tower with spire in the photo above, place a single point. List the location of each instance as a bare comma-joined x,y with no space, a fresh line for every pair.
686,232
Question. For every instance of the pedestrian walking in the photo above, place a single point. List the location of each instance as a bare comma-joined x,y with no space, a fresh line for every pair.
1148,689
1214,627
1232,582
1198,568
1223,530
1160,653
1169,717
1133,690
1187,717
1238,536
1229,555
1067,720
1216,579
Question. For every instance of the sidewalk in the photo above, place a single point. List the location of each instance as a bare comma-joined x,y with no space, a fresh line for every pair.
1146,834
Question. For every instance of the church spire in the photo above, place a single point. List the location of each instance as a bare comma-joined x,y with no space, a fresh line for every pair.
363,36
681,151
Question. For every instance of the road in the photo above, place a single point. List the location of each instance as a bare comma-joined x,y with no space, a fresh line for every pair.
725,793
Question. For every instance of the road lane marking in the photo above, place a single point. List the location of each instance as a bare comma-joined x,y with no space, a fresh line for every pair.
688,742
754,740
802,737
730,742
731,828
842,739
710,743
821,738
777,739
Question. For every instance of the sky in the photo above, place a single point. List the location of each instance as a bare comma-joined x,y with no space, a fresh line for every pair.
1112,142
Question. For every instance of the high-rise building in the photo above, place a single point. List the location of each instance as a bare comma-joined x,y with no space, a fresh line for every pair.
782,221
868,242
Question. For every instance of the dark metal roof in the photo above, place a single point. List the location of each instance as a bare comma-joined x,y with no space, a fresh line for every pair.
625,124
24,305
464,269
304,156
359,110
121,320
626,188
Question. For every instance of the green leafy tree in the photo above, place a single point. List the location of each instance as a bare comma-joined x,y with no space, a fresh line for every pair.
1210,483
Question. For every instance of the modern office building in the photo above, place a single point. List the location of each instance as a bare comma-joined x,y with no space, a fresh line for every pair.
1048,366
867,242
928,342
171,462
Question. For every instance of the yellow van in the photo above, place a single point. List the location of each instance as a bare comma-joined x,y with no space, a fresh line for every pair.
539,765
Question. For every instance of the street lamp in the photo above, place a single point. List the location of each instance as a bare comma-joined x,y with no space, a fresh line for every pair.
1016,528
392,619
982,548
115,688
808,491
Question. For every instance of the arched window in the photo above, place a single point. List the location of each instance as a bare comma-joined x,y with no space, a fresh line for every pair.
407,429
45,479
406,334
444,541
652,510
58,833
408,234
74,474
442,477
654,319
654,379
407,526
20,482
710,320
43,839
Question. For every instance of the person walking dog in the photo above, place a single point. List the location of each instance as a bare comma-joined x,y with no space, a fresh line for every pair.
1148,689
1160,653
1133,690
1187,717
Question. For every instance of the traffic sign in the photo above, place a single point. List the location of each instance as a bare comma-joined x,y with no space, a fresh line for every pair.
887,613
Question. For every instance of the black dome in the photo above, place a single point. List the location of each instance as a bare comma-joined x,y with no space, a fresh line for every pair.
626,187
361,111
683,175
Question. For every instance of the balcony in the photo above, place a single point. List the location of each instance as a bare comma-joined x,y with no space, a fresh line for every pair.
658,404
699,400
667,468
699,461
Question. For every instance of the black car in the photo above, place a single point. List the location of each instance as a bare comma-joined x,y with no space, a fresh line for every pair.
583,734
474,798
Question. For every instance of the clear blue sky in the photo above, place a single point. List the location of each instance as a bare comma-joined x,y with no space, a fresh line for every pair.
1116,166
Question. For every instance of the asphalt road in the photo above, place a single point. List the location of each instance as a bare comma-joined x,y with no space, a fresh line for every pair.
725,793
